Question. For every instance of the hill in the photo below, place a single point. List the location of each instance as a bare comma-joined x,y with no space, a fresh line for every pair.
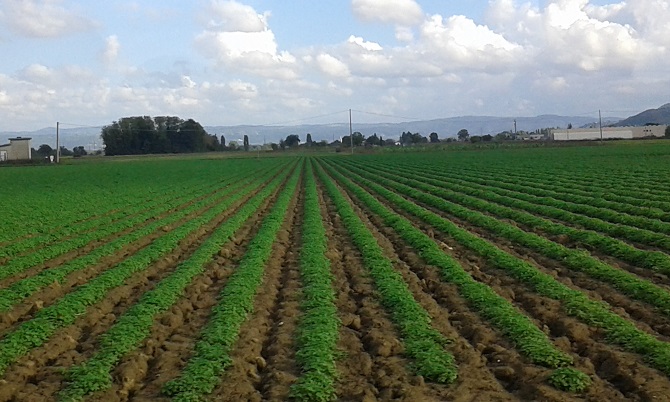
446,127
651,116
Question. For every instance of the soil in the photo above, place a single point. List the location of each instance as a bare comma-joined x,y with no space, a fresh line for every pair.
371,363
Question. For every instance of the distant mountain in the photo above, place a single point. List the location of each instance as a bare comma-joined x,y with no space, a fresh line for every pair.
447,127
651,116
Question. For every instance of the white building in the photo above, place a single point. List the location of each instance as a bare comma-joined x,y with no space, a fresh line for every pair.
17,149
576,134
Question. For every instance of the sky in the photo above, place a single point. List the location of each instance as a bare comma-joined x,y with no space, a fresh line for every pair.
303,61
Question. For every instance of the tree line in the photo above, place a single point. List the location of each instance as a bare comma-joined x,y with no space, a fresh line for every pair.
157,135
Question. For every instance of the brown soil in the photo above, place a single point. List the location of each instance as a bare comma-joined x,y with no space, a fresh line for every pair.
585,343
76,343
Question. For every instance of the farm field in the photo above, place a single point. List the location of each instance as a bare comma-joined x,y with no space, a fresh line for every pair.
494,275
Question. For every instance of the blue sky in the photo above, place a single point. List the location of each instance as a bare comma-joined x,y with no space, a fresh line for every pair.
258,62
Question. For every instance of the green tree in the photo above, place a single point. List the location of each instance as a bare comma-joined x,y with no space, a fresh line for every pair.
308,140
246,143
487,137
45,150
292,140
434,138
65,152
79,151
667,131
463,135
223,142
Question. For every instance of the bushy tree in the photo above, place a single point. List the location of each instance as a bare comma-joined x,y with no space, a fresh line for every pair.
147,135
246,143
434,138
292,140
308,140
463,135
79,151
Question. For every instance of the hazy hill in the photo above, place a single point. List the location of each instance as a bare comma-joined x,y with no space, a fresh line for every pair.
447,127
651,116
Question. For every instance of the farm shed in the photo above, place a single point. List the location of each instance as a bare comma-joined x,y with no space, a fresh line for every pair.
575,134
17,149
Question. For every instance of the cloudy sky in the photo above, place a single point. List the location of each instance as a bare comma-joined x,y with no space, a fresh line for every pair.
291,61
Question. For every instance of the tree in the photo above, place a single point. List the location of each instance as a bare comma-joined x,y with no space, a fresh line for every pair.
487,137
274,146
308,140
434,138
569,126
45,150
282,144
223,142
65,152
292,140
232,145
78,151
463,135
162,134
667,131
372,140
246,143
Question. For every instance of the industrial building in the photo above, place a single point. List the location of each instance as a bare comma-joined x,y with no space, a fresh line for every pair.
17,149
576,134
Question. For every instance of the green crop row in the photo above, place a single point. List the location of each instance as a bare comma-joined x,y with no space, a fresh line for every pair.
626,282
518,328
617,330
319,325
135,324
519,192
654,260
567,194
212,351
622,196
625,232
38,330
423,344
24,288
154,205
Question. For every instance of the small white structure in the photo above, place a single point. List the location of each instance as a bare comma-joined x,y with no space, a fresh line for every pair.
576,134
17,149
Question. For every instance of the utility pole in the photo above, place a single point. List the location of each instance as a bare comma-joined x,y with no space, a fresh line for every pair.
600,123
57,142
351,134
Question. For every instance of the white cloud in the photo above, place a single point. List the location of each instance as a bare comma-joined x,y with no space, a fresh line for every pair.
365,45
398,12
232,16
42,18
332,66
111,51
241,40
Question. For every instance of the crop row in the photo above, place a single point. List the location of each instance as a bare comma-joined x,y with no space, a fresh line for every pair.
519,192
624,195
146,208
38,330
633,234
423,344
626,282
24,288
518,328
211,354
597,314
135,324
578,203
319,324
